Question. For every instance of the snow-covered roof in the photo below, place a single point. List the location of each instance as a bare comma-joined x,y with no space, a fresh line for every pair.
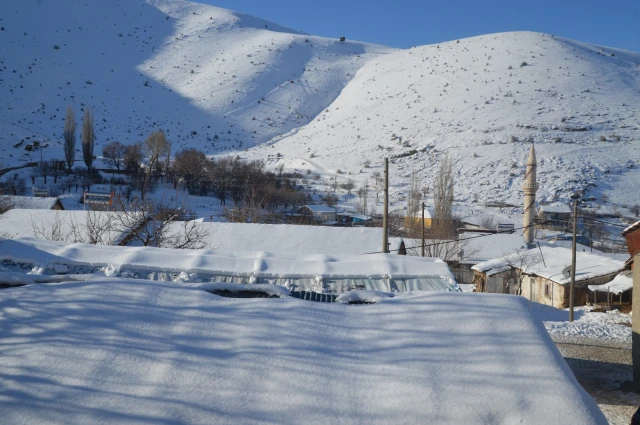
480,247
356,216
551,263
555,209
634,226
320,208
45,253
29,202
64,225
118,350
290,238
621,283
418,214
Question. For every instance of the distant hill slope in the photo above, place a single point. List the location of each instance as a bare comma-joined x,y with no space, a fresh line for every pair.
484,99
211,78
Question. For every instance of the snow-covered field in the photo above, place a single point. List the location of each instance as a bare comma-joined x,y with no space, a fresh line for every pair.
122,351
225,82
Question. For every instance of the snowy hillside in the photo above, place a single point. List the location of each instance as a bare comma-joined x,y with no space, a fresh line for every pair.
225,82
484,99
208,77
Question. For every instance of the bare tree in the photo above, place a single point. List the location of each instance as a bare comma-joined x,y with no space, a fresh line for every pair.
56,169
520,263
441,239
413,221
377,176
190,167
334,184
59,229
155,224
6,204
70,137
488,222
443,188
156,145
114,153
102,228
43,169
348,186
88,137
188,235
363,194
330,199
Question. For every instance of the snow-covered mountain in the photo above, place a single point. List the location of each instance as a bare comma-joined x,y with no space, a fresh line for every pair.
484,99
226,82
209,77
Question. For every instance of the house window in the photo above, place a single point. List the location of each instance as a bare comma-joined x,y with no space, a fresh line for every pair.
547,290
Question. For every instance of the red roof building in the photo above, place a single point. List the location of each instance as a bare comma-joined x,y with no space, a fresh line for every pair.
632,235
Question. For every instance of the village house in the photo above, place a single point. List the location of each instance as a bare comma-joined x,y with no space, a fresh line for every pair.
318,213
30,203
543,274
554,217
479,247
415,220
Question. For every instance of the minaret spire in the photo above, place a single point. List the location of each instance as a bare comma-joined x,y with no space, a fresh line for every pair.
530,187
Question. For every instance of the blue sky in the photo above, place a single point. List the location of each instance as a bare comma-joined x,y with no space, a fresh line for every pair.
406,23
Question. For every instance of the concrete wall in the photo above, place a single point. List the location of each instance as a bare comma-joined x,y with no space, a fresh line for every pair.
462,272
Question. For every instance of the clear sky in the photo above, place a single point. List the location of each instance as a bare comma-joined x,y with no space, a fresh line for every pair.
406,23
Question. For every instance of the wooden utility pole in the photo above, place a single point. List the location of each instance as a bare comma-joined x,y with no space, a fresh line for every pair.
573,259
385,217
423,229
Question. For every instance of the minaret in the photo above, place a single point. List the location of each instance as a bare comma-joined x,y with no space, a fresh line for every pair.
530,186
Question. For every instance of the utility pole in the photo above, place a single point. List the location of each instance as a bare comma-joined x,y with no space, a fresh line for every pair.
423,229
573,259
385,217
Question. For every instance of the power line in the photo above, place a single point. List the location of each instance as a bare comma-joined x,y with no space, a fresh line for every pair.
446,241
605,222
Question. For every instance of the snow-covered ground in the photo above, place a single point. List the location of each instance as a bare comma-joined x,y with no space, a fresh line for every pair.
124,351
612,325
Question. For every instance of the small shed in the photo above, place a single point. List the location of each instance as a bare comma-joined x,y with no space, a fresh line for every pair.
616,294
98,200
555,216
350,219
31,203
318,213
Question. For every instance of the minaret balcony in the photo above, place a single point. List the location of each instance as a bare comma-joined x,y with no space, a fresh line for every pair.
530,186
